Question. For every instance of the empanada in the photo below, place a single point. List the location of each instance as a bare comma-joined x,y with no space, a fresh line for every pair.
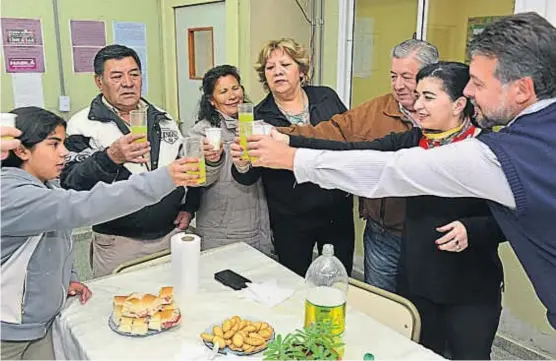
237,340
220,341
207,337
217,331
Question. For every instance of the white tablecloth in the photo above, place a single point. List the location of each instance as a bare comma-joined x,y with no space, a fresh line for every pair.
82,332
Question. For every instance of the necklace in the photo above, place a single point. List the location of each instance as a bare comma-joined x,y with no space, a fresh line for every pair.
299,118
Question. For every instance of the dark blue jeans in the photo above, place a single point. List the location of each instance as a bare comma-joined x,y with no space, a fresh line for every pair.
382,254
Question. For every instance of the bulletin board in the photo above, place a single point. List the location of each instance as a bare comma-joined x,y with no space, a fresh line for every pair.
475,26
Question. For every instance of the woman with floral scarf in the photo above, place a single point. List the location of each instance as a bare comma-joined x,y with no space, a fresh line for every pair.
449,266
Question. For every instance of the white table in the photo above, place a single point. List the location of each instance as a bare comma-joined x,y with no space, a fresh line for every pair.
82,332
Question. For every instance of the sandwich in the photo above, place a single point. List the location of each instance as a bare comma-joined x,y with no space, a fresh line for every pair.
172,306
134,295
169,318
133,307
117,314
125,324
167,295
151,303
155,322
119,300
139,326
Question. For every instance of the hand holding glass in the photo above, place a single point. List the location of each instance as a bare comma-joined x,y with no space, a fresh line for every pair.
193,148
7,120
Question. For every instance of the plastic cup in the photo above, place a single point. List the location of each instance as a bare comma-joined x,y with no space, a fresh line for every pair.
214,136
258,128
245,122
138,122
7,120
193,148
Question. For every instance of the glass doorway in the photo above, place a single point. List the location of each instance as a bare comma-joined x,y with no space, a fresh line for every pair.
451,24
378,26
381,24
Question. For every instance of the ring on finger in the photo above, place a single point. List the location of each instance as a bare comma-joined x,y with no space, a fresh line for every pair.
458,248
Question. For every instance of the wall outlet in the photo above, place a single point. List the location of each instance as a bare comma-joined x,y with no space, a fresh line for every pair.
64,103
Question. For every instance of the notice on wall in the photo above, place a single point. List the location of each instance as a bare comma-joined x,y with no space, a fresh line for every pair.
87,38
363,47
133,35
23,45
27,90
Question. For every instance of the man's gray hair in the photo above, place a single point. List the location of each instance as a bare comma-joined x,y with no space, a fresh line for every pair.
424,52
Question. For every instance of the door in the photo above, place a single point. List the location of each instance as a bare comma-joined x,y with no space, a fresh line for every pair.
201,44
379,25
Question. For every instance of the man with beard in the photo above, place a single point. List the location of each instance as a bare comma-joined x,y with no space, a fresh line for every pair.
513,83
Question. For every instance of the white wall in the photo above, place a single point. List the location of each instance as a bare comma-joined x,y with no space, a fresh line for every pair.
286,20
546,8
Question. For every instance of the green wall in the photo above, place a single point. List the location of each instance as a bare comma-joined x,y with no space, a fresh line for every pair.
80,87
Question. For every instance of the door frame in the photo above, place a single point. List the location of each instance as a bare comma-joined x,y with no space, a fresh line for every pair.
346,16
169,38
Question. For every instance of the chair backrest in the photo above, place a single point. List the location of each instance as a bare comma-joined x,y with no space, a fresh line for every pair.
391,310
147,261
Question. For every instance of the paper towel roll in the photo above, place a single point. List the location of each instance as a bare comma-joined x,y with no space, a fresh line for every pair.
186,255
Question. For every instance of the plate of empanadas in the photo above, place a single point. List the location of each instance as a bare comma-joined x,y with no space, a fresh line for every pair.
140,315
239,336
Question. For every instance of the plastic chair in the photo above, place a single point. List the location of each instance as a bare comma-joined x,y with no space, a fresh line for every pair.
390,309
142,262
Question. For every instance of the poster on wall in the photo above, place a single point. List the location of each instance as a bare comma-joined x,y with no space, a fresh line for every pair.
87,38
363,43
22,45
27,90
133,35
475,26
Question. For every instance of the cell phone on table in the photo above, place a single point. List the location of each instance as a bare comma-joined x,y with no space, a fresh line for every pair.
231,279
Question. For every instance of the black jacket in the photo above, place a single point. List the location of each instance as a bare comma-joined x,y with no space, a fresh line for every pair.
306,204
471,276
89,166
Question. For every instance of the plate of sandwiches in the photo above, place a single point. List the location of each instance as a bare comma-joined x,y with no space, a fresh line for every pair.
140,315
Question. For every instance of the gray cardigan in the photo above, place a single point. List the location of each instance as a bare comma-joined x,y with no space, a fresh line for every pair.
230,212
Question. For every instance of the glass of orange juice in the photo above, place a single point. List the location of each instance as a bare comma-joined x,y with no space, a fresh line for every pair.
245,122
7,120
138,122
193,148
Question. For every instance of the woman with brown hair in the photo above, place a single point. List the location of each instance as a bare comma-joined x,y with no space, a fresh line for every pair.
300,214
227,211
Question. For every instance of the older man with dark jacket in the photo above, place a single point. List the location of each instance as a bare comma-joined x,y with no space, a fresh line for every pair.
100,153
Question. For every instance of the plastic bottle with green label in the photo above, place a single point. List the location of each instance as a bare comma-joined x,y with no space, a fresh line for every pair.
326,283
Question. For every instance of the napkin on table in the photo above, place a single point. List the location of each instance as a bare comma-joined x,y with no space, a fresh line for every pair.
267,293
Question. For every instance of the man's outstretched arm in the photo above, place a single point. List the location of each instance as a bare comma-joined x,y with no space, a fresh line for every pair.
464,169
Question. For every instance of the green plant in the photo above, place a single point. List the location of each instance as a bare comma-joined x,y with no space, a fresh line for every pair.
311,343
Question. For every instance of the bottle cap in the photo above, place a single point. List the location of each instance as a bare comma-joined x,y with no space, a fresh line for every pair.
328,250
